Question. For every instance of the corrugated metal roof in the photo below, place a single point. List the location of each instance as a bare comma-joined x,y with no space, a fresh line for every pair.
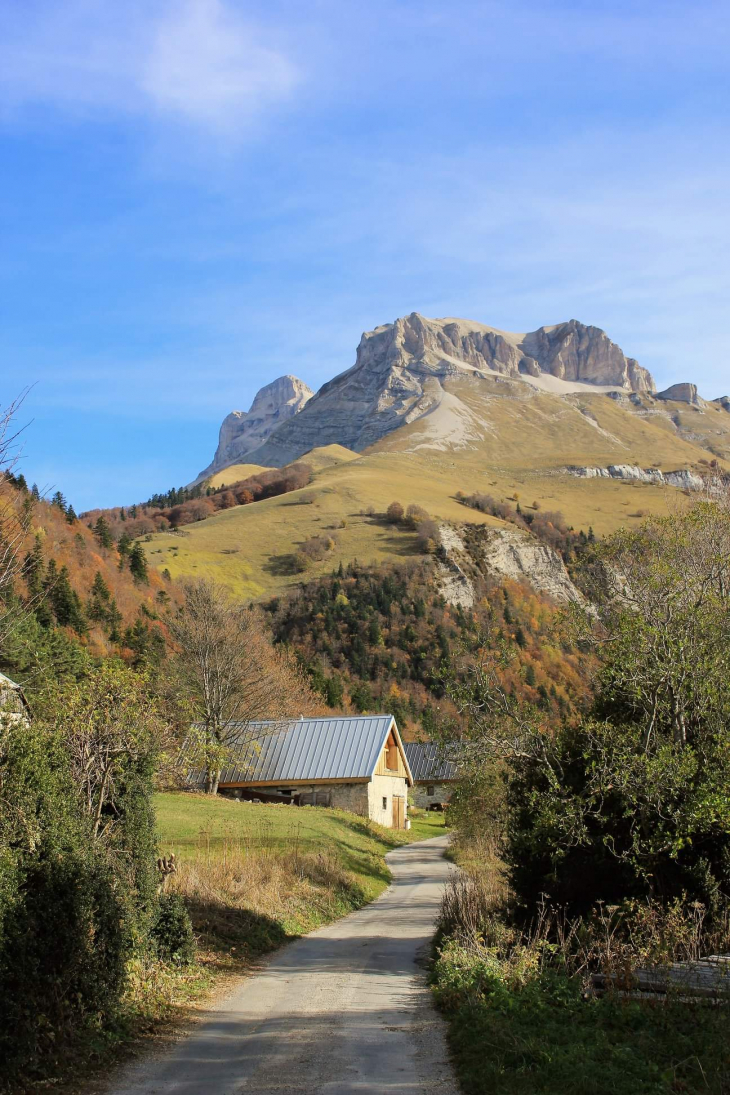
305,749
426,761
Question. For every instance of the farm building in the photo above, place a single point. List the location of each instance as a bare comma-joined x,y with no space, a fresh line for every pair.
357,764
13,705
433,776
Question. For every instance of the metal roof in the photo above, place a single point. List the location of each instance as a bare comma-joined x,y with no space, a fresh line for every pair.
5,682
306,749
426,761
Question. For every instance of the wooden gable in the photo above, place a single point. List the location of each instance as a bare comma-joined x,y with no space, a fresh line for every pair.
392,761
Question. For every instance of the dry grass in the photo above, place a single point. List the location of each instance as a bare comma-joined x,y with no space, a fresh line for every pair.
525,443
248,902
234,474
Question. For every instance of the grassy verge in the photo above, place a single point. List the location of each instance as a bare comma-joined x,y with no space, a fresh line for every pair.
517,1031
523,1021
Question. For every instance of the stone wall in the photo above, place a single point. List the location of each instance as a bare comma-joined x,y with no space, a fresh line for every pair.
441,793
382,789
363,799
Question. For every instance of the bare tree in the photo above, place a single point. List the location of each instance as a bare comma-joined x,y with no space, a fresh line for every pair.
15,516
231,674
109,722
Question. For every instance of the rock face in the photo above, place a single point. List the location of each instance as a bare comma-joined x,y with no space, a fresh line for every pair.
396,377
517,555
244,431
685,480
724,401
681,393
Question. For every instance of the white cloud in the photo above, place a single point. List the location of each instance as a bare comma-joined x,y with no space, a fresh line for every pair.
207,66
194,61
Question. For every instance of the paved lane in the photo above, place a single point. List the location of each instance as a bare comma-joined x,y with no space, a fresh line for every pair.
343,1011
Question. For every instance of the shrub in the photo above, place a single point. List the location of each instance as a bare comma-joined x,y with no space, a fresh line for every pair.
64,925
172,931
428,535
394,513
415,515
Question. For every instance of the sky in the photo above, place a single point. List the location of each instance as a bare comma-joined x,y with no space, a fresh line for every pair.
198,196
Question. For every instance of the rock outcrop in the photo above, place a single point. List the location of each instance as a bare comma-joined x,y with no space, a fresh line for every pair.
681,393
724,401
398,374
244,431
685,480
510,553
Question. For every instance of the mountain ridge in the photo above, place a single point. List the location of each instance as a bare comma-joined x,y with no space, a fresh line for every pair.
396,380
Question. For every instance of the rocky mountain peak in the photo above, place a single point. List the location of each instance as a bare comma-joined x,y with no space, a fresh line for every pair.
244,431
403,371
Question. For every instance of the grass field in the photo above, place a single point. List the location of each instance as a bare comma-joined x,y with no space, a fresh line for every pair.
205,831
520,448
234,474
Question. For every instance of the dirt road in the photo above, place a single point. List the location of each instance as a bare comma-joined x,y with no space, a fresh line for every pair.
343,1011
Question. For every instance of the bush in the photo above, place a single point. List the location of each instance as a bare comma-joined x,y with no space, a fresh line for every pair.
394,513
415,515
172,931
65,932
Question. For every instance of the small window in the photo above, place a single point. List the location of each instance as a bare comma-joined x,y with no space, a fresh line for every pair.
385,802
430,790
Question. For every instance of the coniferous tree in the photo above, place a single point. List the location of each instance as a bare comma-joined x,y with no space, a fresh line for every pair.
122,514
65,601
35,492
138,563
71,515
34,570
59,501
21,483
114,618
124,545
102,532
98,607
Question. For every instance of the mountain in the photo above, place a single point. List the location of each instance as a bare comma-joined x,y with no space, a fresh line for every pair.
558,422
401,367
244,431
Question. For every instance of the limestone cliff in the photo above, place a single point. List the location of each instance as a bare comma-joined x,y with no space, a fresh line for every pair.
681,393
244,431
393,379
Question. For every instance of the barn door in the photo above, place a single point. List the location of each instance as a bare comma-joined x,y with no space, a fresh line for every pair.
399,812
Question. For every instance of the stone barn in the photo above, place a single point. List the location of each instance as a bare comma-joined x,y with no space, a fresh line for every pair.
433,776
13,705
356,763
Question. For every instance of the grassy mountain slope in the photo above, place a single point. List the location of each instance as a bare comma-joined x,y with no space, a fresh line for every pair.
493,435
234,474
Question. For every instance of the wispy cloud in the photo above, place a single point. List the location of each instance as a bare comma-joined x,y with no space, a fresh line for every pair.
196,61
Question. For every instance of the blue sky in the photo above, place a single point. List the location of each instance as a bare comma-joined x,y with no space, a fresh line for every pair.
197,196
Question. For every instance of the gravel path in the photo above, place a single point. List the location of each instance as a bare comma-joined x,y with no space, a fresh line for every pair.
343,1011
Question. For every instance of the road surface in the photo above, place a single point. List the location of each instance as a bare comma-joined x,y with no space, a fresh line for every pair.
343,1011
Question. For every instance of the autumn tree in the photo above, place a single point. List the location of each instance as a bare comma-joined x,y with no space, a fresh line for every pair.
630,801
231,674
394,513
